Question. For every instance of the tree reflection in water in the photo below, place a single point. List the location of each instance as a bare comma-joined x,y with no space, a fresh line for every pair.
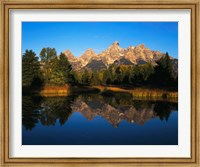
47,110
30,112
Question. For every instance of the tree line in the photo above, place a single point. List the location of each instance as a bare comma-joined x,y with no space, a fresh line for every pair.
55,70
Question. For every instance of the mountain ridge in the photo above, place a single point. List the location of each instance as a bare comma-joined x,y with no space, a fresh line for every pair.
139,54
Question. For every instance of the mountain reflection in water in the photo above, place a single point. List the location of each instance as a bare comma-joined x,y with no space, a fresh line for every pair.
51,111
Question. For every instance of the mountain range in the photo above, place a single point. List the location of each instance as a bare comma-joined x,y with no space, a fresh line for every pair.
117,55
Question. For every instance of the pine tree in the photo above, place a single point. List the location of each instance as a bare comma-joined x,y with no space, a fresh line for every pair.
85,77
163,72
61,73
95,78
31,75
47,55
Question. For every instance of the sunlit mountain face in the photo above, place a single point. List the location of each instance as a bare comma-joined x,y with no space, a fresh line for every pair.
114,54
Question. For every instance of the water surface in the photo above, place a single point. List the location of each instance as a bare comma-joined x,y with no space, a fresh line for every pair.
98,120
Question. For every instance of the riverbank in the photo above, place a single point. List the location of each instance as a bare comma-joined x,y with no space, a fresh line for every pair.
52,90
107,91
140,92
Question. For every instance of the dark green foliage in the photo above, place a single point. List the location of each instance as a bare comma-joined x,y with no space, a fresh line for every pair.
74,78
61,71
51,70
163,75
57,70
47,56
31,74
85,79
110,75
95,78
106,77
140,74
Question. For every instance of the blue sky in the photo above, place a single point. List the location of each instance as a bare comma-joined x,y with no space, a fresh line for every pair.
79,36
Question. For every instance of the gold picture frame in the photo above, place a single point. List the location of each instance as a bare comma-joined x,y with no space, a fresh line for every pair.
7,5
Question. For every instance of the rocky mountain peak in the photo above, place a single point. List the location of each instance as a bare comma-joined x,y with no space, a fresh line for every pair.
90,51
116,43
87,56
130,48
142,46
114,52
69,55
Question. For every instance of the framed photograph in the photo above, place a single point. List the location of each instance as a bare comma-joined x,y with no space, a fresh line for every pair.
99,83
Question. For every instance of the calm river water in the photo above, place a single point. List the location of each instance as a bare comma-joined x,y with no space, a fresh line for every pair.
98,120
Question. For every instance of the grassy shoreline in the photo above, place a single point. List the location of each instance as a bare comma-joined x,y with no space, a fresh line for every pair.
141,92
52,90
108,90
